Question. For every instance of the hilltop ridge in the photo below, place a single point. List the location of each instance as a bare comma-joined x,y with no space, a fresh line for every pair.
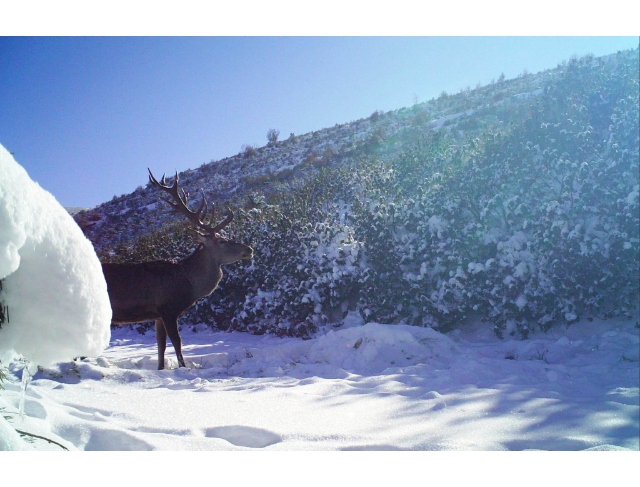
296,158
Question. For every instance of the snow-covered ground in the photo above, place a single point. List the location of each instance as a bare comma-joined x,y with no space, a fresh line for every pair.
359,387
368,387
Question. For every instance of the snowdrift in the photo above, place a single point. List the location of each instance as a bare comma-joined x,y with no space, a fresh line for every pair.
361,387
52,282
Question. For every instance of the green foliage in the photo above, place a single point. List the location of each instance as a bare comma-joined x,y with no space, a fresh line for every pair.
173,241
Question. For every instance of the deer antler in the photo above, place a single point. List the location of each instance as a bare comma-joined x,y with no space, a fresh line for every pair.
181,205
224,222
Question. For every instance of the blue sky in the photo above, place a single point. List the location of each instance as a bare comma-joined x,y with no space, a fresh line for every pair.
85,116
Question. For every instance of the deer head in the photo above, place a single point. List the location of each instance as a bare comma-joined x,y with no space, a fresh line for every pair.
221,249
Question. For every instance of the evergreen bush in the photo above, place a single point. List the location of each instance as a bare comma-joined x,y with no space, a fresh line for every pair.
525,216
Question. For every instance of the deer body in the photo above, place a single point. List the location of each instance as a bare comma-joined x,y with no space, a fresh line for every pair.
163,290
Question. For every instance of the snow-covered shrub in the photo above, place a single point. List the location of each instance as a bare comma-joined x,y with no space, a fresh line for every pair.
528,225
52,282
172,241
517,202
382,287
541,222
303,275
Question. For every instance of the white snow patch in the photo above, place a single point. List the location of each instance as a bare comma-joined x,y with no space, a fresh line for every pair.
52,281
9,438
373,347
521,301
436,225
632,198
367,387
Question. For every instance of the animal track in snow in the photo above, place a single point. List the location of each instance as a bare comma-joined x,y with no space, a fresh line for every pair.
107,439
244,436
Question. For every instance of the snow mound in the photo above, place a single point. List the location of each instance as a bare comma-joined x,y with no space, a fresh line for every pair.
375,347
360,349
52,281
9,438
572,389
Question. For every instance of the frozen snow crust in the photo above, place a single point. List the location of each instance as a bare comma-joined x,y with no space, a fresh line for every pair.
360,387
52,280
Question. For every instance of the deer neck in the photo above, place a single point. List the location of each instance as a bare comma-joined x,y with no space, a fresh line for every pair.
203,271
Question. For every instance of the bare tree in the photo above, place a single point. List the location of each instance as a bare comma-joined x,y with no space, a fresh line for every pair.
272,136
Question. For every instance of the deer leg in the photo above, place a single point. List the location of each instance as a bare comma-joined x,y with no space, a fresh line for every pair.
171,325
161,338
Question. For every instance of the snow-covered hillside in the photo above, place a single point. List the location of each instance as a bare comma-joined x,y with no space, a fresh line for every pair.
362,387
517,202
458,275
296,158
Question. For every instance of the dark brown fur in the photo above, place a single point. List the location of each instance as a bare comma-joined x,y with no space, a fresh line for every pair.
162,290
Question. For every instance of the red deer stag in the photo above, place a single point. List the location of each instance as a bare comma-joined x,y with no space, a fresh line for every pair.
162,290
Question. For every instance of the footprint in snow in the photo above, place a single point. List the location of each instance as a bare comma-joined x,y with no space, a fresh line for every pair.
244,436
432,395
34,409
115,440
